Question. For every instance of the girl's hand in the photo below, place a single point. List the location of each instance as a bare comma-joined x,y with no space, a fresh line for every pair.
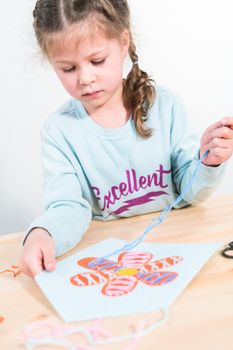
218,139
38,253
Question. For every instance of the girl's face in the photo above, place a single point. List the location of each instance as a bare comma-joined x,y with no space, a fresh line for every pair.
91,70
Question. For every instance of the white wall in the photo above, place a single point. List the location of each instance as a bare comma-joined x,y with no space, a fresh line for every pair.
186,45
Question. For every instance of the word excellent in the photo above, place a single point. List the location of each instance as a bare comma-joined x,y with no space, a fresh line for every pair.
131,185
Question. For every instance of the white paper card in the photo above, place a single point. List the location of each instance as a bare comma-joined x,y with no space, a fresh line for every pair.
146,279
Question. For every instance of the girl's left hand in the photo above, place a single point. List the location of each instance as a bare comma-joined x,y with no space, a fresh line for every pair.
218,139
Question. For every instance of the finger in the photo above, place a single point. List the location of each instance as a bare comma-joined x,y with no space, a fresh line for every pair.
25,270
35,269
50,265
222,132
216,125
228,121
221,153
31,268
220,142
49,257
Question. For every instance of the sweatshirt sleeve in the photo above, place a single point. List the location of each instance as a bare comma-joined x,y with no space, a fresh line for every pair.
67,214
185,147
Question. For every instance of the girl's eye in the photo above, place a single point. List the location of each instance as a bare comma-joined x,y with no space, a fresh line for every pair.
68,70
96,63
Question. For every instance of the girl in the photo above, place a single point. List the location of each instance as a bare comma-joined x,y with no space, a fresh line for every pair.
119,147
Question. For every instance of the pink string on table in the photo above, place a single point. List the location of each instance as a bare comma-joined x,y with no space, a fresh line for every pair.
138,336
54,334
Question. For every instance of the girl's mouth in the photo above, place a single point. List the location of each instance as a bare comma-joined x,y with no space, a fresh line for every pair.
92,94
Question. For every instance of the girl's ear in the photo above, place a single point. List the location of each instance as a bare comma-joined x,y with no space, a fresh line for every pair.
125,41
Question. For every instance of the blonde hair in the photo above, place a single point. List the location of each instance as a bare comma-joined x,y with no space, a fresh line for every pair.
112,16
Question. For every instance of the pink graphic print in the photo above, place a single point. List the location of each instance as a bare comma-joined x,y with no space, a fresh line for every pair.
149,197
120,278
131,185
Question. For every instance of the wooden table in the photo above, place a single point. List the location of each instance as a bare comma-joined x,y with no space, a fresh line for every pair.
202,316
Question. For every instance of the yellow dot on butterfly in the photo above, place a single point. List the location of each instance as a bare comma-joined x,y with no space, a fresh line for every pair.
128,271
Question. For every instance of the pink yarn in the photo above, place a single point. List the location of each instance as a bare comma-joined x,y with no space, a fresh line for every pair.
138,336
57,333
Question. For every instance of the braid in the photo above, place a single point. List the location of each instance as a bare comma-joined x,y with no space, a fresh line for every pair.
139,93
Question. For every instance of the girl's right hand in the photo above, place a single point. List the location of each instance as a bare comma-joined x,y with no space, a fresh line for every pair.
38,253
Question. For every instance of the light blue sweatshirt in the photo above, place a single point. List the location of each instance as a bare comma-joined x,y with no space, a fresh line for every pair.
104,174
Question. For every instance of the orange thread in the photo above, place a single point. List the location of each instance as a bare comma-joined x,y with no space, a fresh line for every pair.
15,273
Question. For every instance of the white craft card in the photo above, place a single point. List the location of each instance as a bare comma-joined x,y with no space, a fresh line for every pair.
81,303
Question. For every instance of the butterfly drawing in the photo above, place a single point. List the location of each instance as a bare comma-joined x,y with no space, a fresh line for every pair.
121,277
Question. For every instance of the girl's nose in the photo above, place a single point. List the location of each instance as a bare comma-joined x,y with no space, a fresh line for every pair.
86,77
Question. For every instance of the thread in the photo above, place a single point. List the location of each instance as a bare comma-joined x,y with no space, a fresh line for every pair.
15,273
160,219
95,335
